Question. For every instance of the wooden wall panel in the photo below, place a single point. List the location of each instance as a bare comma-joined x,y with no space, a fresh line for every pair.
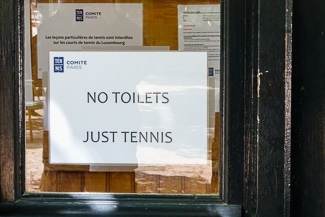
95,182
70,181
49,181
122,182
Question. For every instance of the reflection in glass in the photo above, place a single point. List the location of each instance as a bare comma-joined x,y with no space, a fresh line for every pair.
156,33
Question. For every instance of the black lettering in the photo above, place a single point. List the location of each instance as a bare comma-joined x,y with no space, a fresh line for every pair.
126,99
92,136
165,97
155,137
148,98
134,137
87,137
115,94
104,98
124,133
168,135
104,135
139,99
93,97
143,137
113,135
134,97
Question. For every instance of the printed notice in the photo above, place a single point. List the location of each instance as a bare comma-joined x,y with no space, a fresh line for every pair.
76,27
199,30
152,110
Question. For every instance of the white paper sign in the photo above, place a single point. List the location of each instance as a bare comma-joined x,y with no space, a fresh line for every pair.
128,108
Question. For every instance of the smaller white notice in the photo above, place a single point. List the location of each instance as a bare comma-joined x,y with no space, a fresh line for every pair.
128,108
199,30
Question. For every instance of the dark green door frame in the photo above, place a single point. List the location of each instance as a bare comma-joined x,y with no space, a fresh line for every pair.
308,111
256,118
267,90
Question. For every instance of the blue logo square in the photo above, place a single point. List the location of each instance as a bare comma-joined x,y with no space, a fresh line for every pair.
58,64
79,15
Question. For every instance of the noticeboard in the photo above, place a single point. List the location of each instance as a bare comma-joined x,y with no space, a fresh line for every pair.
128,108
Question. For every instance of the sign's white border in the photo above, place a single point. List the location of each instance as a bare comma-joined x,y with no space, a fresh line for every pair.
128,108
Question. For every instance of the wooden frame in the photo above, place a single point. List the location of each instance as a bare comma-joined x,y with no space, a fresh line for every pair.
255,119
308,81
267,176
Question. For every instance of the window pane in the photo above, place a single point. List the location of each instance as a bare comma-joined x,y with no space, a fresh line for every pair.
149,123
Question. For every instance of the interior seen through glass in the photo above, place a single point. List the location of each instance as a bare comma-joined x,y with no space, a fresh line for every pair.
122,96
